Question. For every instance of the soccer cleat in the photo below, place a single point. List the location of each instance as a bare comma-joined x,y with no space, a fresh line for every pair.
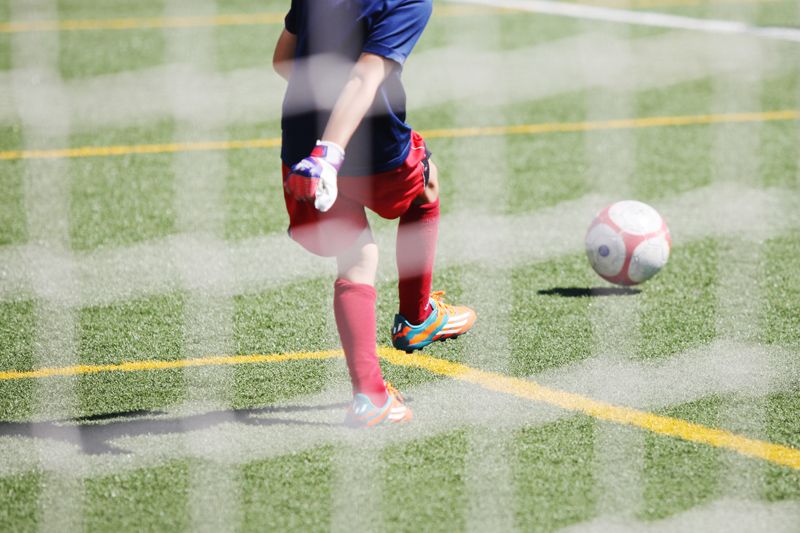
445,322
363,413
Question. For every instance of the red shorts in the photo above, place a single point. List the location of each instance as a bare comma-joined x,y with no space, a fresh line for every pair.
389,194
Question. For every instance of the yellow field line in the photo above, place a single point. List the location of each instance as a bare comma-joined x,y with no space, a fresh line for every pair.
647,4
619,124
105,151
141,23
661,425
237,19
137,366
256,19
523,129
521,388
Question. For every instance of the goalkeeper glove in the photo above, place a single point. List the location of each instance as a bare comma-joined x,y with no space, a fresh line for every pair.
314,178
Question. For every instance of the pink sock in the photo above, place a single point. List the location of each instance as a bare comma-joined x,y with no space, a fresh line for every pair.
416,250
354,308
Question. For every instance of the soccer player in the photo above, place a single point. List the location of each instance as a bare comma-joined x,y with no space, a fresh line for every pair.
347,147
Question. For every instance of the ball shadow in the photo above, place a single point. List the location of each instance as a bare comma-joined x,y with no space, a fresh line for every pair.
588,292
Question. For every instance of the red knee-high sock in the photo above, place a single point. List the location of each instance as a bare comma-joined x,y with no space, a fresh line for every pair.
354,308
416,250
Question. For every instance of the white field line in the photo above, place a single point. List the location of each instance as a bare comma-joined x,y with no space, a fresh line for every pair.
642,18
488,479
358,487
108,276
745,415
490,497
488,471
618,451
43,110
214,490
720,516
720,368
611,158
619,460
736,158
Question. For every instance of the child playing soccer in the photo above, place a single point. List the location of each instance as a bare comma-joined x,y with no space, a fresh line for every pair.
343,60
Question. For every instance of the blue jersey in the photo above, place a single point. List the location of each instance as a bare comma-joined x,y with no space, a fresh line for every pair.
331,35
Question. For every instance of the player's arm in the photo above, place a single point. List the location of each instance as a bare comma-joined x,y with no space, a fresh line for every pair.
356,98
283,56
314,178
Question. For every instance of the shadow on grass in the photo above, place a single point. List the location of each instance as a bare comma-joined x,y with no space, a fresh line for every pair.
94,433
588,292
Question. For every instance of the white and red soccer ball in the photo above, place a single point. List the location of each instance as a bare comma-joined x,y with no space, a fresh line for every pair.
628,243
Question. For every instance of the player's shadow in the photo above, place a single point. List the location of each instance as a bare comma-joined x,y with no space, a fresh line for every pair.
94,433
588,292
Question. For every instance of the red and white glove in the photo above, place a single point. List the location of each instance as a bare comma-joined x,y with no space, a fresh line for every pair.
314,178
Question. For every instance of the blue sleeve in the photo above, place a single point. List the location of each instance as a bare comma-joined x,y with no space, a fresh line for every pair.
290,22
394,32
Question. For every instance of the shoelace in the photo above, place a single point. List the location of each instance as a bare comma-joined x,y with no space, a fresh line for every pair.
438,297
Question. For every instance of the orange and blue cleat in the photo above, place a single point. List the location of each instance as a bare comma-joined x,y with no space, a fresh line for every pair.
363,413
445,322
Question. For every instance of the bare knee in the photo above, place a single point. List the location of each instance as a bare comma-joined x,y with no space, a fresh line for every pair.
431,191
359,263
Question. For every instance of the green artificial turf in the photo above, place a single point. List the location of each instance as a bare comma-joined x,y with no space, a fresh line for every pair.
553,474
17,333
777,13
150,328
104,52
548,171
13,227
551,328
19,510
245,47
678,305
113,209
121,199
147,499
783,428
679,475
17,337
87,9
85,54
263,323
13,223
290,493
5,53
781,319
660,173
424,484
497,31
135,442
254,192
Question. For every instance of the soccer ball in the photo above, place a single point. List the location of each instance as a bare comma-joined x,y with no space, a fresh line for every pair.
628,243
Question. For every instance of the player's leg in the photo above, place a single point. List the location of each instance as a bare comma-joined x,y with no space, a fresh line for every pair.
423,317
359,263
417,234
354,300
343,232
